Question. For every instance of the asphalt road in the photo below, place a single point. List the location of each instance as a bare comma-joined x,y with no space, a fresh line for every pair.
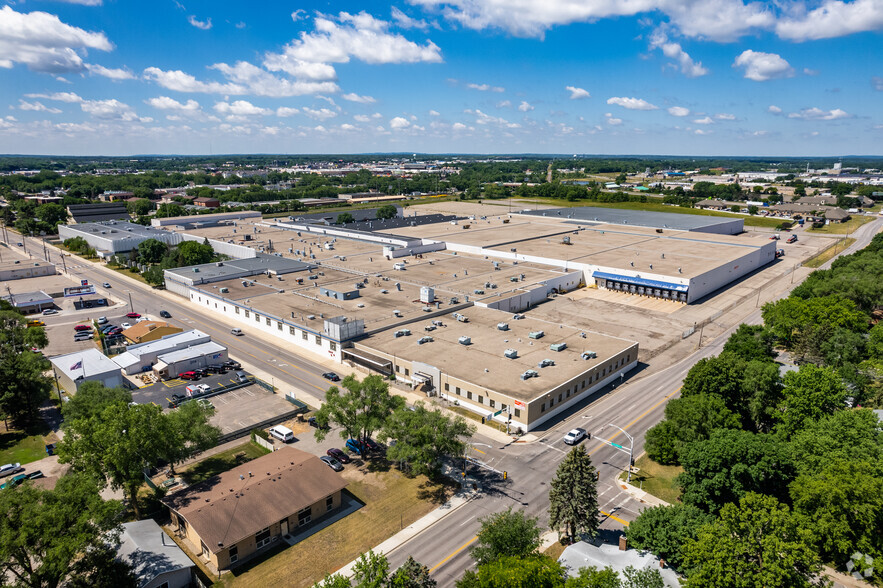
635,406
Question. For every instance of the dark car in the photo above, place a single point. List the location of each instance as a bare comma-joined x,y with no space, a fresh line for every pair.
201,372
165,314
338,455
189,376
176,399
354,446
331,376
16,480
233,365
315,423
332,463
133,315
34,475
371,445
216,369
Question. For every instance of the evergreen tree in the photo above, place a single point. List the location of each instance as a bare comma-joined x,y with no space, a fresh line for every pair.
411,574
573,498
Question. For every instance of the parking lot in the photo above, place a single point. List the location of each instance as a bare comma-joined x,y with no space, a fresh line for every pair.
160,392
246,407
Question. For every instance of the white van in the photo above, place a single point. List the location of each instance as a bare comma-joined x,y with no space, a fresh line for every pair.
236,331
282,433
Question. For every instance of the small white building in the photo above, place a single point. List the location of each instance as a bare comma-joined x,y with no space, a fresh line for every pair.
88,365
139,358
170,365
156,560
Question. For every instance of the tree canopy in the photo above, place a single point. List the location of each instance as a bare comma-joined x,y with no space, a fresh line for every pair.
423,437
506,534
360,409
573,496
23,383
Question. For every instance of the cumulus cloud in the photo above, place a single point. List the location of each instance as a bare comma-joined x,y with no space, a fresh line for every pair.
672,50
43,43
200,24
485,88
36,107
877,82
320,113
725,116
68,97
612,120
486,119
353,97
407,22
525,106
577,93
240,108
632,103
298,14
703,121
774,109
761,67
286,111
166,103
111,109
458,126
832,18
434,113
504,104
819,114
399,123
83,2
678,111
243,78
701,132
113,74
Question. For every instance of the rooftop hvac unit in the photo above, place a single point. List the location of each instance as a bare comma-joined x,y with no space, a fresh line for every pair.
423,340
546,363
517,317
438,323
502,326
529,374
588,355
558,346
465,340
511,353
536,335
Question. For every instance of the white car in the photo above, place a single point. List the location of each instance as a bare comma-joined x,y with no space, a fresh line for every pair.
575,436
102,320
49,311
106,285
125,326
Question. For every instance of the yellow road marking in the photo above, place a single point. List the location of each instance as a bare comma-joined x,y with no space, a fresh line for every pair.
615,518
458,550
636,419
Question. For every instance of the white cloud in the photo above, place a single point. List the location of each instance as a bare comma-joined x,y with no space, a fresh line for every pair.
678,111
183,82
759,133
36,107
704,121
399,123
299,14
832,18
240,25
612,120
353,97
244,78
240,108
43,43
701,132
200,24
725,116
406,22
83,2
486,119
672,50
485,88
348,127
774,109
434,113
166,103
632,103
877,82
810,72
68,97
761,67
111,109
577,93
525,106
504,104
319,114
342,38
458,126
286,111
819,114
113,74
362,118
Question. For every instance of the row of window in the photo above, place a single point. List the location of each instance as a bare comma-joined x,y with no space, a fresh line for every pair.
491,402
305,335
606,370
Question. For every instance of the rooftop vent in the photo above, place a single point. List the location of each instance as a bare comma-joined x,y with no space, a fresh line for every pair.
465,340
546,363
588,355
511,353
536,334
502,326
558,346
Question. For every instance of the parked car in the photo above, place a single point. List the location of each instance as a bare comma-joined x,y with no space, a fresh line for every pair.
9,469
315,423
34,475
84,335
774,237
371,445
36,323
106,285
331,376
115,331
233,365
125,326
792,239
354,446
49,311
216,369
16,480
102,320
176,399
575,436
241,377
189,376
165,314
332,463
83,328
338,455
133,315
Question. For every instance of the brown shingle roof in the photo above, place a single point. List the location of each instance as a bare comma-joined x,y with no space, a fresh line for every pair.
138,330
238,503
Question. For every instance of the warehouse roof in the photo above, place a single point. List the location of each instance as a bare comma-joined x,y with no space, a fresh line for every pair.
84,363
641,218
191,352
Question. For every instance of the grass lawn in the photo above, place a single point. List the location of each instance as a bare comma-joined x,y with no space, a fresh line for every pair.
221,462
843,228
555,550
126,271
751,221
20,447
385,494
828,253
658,480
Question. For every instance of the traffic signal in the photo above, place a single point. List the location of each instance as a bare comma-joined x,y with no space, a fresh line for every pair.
588,435
632,461
505,475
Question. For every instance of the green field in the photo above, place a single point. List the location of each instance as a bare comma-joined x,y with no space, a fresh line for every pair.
842,228
20,447
655,479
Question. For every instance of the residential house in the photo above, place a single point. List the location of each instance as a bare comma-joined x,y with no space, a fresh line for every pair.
156,560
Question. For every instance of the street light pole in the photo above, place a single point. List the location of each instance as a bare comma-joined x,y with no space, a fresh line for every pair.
631,450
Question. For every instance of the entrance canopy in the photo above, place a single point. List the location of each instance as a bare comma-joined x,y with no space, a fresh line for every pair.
641,281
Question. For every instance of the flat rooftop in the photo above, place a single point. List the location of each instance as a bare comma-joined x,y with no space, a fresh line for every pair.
117,230
483,363
24,263
642,218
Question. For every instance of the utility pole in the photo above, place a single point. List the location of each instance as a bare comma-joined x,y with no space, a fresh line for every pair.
131,306
621,448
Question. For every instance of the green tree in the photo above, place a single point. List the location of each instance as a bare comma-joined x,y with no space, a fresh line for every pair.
423,437
411,574
754,543
535,571
732,463
370,570
360,410
194,253
662,444
333,581
688,419
573,496
846,435
387,211
51,214
720,376
345,217
140,207
788,319
751,342
592,577
665,531
809,394
91,399
151,250
170,210
154,275
115,445
23,384
45,534
506,534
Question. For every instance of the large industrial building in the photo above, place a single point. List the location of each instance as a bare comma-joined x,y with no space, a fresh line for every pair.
113,237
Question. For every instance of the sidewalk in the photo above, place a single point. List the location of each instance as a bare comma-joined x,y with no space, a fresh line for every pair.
413,529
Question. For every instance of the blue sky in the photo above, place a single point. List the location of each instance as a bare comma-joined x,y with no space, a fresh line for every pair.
689,77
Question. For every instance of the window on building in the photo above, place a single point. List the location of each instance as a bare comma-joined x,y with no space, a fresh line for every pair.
205,552
543,407
318,340
398,369
290,330
329,503
469,395
447,387
257,318
216,304
262,538
234,554
247,313
568,392
560,397
268,321
457,390
407,373
304,516
332,346
225,309
236,308
163,585
481,399
492,402
517,412
305,336
628,357
278,326
502,406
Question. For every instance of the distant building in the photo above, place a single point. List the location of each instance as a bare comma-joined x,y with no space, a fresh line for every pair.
204,202
29,302
582,554
92,213
112,237
155,558
16,270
